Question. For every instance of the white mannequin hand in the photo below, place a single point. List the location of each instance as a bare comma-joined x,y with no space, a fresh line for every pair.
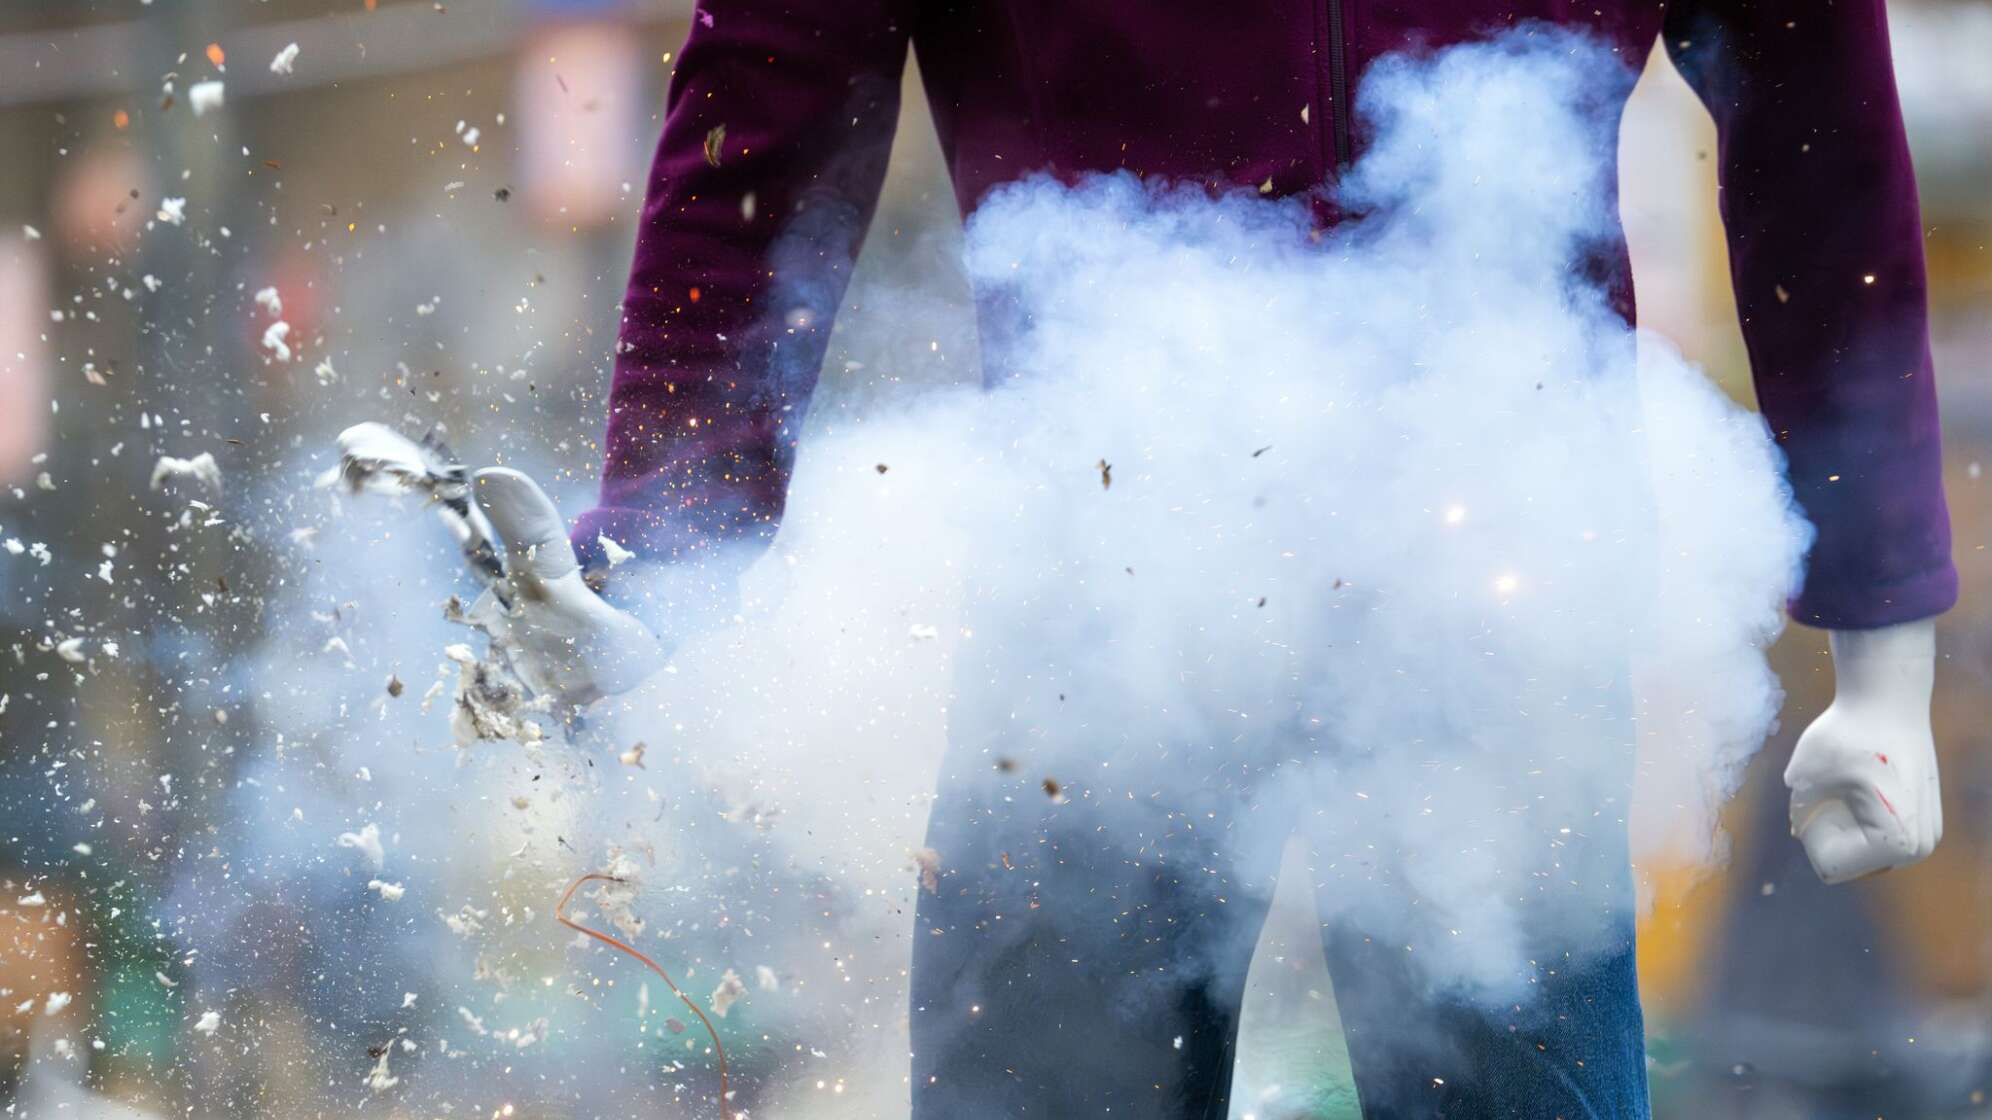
564,639
1863,778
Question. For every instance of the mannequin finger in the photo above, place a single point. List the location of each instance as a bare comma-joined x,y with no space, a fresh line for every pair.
527,521
1841,857
1933,811
1838,848
1936,811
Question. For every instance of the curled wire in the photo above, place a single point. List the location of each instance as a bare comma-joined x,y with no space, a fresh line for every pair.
560,915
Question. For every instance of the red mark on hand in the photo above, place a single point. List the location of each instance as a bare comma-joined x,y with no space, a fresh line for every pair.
1882,757
1886,804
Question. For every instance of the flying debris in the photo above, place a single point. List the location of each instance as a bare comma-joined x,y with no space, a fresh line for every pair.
927,862
367,842
491,702
201,468
731,990
204,97
375,457
275,340
616,553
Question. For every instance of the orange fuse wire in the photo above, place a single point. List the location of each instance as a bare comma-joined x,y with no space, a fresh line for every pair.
560,915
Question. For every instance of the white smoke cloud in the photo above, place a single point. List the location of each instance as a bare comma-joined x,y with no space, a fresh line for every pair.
1394,536
1390,535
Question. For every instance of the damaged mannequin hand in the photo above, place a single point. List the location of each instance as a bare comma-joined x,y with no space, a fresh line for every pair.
563,639
1863,778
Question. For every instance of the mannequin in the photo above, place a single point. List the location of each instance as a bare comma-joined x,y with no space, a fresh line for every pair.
1863,778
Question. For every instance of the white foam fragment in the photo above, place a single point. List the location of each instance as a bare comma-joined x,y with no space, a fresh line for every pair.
274,338
367,842
616,553
201,468
205,97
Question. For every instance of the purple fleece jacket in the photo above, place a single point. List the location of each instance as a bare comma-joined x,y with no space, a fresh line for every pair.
748,236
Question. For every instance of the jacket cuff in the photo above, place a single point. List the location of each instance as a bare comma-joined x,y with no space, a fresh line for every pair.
1870,608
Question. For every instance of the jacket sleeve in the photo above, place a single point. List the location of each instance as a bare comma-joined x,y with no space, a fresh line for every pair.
778,127
1825,245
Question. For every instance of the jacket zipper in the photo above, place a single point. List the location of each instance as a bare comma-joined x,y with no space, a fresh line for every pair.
1338,83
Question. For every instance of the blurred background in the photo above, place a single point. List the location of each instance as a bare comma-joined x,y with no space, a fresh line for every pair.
206,688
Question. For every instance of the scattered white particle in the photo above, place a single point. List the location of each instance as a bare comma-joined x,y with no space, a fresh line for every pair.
81,848
201,468
203,96
172,211
615,552
367,842
728,993
210,1022
407,1000
273,340
150,281
379,1080
286,60
270,301
31,233
34,899
56,1002
389,892
922,632
767,980
70,650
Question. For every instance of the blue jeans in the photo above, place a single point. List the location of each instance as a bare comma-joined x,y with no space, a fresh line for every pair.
1072,961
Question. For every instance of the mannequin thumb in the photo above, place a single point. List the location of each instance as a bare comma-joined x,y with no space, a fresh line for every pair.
527,521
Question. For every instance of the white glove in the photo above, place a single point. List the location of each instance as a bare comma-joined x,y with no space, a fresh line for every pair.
563,638
1863,778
